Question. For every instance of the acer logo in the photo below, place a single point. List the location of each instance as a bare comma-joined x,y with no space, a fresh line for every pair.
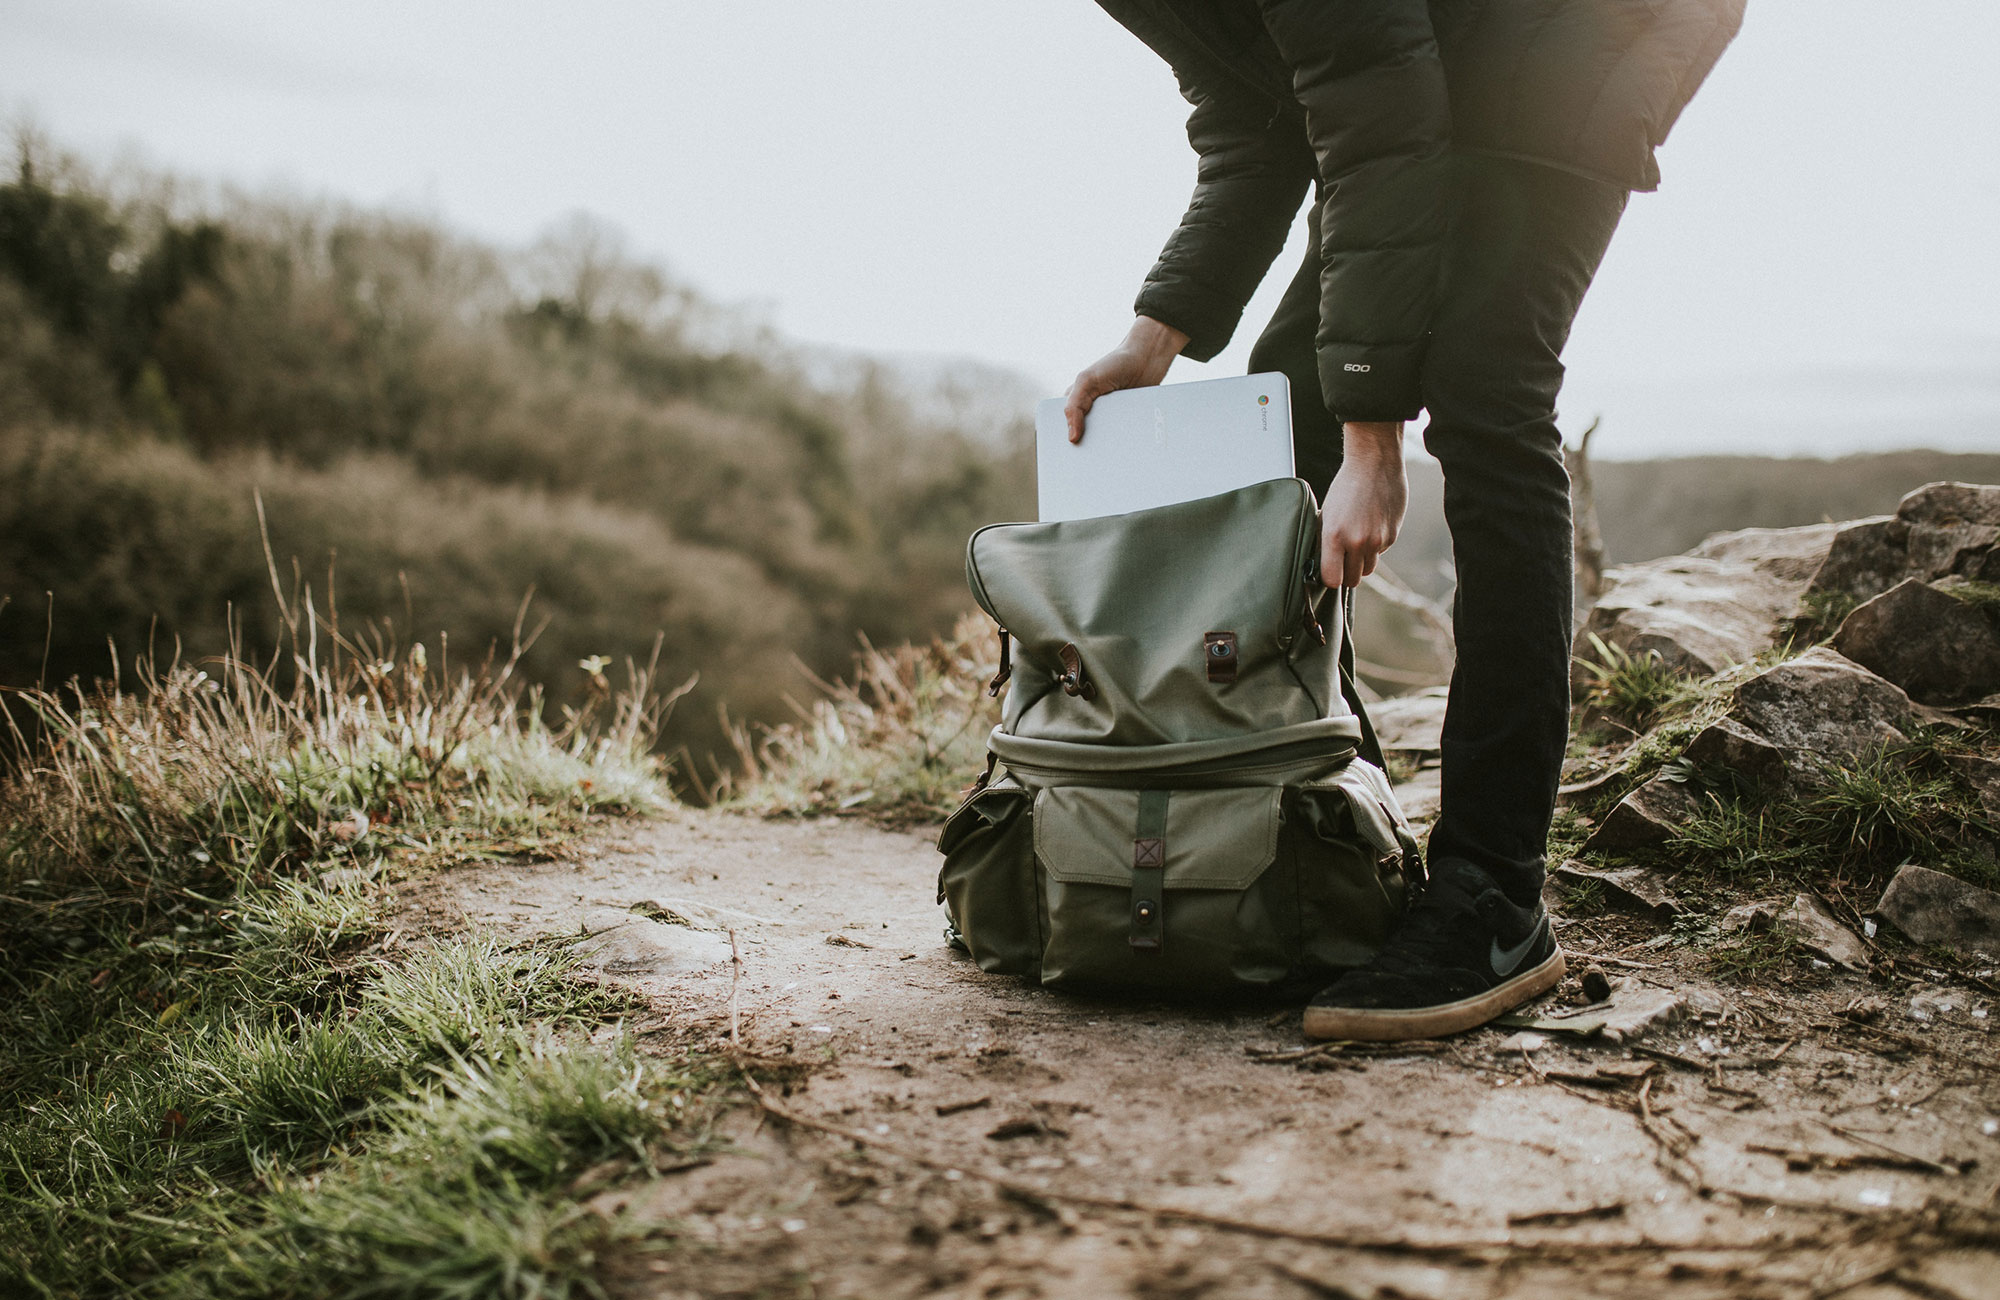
1358,367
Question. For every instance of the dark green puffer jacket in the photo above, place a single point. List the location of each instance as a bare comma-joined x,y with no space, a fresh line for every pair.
1365,99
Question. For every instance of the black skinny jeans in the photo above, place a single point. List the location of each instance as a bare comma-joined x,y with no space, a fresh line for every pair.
1525,242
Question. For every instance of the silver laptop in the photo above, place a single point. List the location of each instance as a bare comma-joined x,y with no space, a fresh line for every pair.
1145,447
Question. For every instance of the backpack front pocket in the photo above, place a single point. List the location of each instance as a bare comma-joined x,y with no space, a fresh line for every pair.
987,883
1166,890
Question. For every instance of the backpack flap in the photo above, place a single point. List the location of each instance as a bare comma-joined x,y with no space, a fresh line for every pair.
1186,622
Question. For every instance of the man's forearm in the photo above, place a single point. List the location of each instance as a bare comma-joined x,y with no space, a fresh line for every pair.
1155,342
1373,442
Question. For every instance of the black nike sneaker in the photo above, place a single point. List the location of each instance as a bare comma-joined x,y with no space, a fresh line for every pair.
1463,955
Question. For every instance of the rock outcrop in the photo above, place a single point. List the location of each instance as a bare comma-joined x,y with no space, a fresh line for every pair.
1955,660
1921,645
1646,818
1733,747
1720,604
1939,529
1822,705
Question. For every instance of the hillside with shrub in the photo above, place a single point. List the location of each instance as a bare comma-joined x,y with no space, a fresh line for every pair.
433,432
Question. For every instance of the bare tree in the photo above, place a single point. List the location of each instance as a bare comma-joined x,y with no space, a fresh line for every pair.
583,262
1433,618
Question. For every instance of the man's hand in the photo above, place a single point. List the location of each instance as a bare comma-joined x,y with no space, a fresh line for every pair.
1364,507
1139,362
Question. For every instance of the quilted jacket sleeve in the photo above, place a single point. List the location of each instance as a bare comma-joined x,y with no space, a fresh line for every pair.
1254,168
1368,76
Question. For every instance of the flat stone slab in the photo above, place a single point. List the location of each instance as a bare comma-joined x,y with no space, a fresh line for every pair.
624,943
1814,928
1633,1011
1649,816
1701,612
1639,889
1804,920
1414,723
1932,907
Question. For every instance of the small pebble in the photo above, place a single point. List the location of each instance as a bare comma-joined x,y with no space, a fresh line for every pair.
1596,985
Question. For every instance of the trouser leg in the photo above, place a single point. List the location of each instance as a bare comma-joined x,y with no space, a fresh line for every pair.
1525,243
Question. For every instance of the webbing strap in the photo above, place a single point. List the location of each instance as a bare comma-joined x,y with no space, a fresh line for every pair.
1370,747
1149,871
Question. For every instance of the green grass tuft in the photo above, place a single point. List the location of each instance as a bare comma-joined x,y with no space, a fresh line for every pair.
1636,689
462,1192
1843,828
1984,596
1757,954
456,996
1820,615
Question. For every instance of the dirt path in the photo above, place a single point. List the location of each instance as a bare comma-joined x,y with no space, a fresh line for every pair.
1463,1169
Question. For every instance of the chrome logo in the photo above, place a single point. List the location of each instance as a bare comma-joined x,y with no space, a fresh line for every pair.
1263,401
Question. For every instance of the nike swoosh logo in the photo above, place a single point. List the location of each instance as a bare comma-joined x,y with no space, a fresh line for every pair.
1504,960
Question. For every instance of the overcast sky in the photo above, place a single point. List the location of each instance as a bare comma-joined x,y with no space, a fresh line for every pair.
1818,274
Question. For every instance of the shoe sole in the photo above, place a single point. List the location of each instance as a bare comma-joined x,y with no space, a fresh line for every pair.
1359,1024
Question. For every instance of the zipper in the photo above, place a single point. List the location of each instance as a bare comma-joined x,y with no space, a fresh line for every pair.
1219,774
1298,599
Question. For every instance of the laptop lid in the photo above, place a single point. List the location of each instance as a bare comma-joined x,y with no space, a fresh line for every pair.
1146,447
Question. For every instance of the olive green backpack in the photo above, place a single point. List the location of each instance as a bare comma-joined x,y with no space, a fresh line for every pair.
1175,799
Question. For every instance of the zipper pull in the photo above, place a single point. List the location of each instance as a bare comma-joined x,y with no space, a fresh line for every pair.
1313,627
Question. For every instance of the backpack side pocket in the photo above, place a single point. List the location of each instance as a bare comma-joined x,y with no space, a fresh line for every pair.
987,883
1354,853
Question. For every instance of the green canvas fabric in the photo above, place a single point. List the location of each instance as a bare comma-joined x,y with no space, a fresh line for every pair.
1216,839
1157,825
1138,593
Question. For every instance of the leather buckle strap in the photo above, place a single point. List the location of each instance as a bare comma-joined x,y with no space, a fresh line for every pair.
1219,652
1074,682
1006,665
1313,626
1149,873
983,780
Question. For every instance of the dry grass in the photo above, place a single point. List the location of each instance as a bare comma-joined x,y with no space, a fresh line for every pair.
129,802
894,743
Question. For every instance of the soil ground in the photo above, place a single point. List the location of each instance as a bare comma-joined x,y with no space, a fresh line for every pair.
963,1135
